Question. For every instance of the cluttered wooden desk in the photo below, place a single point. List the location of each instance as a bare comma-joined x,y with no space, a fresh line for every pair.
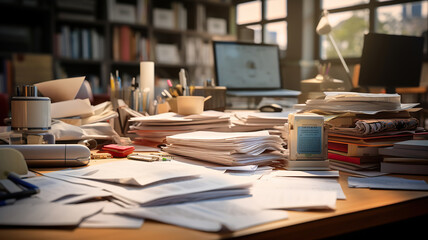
221,175
362,209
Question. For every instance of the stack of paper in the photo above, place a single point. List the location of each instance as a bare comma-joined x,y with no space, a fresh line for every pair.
367,103
274,122
155,128
228,148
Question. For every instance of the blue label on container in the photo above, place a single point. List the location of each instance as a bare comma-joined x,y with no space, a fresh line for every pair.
309,140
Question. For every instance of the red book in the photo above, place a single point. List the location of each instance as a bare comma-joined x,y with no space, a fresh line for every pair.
118,150
356,160
125,43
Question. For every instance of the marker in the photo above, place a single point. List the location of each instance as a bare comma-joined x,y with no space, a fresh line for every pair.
183,82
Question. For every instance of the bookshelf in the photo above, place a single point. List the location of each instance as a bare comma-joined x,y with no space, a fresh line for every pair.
95,38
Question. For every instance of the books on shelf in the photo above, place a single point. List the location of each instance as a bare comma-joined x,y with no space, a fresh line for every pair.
167,53
77,43
174,18
129,44
199,52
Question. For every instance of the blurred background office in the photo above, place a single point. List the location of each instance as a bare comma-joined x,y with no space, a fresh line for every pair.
42,40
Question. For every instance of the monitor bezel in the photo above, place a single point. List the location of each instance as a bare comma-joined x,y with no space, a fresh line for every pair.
216,78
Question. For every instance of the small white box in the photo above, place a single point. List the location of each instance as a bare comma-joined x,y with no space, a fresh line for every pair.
124,13
167,53
217,26
163,18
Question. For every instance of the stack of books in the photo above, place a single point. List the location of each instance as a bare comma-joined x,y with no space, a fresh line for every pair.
153,130
406,157
228,148
360,124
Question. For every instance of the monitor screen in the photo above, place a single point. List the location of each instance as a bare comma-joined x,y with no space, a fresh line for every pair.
391,61
247,66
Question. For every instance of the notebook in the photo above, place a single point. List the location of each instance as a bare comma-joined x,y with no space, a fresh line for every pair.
249,69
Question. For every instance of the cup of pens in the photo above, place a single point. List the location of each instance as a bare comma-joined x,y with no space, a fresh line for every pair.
189,105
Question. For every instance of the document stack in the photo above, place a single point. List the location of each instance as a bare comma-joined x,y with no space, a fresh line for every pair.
244,122
228,148
360,124
152,130
405,157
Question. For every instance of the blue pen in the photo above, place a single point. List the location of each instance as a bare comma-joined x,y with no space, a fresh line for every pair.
30,188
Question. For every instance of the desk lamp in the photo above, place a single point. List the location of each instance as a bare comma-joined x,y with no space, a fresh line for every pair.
314,88
324,28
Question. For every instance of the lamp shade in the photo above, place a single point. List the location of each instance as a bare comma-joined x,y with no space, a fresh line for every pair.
324,26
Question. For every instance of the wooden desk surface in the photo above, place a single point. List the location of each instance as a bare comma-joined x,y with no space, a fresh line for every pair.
362,209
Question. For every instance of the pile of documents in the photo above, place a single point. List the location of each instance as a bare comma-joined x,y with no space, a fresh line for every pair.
360,124
367,103
228,148
153,130
405,157
255,121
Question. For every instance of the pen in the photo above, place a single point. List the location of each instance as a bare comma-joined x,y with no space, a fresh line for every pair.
112,85
183,81
167,93
30,188
119,82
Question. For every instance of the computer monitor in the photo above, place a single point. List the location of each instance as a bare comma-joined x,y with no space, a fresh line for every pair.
247,66
391,61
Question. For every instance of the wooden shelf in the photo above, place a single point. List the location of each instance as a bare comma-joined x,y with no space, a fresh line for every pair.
55,17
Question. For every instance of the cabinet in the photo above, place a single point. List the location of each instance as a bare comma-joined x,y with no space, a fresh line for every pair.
97,38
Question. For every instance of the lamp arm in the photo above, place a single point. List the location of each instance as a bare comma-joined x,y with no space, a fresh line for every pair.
341,58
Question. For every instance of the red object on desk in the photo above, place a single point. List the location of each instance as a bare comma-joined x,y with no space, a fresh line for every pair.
118,150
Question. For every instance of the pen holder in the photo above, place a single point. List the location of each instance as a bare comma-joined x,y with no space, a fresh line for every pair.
188,105
172,104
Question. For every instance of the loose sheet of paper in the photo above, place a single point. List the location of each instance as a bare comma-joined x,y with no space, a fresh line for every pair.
387,182
46,214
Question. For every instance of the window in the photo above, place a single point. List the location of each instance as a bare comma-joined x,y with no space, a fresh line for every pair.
351,19
265,19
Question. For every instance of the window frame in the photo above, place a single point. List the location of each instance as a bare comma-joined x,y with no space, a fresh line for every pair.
263,22
372,6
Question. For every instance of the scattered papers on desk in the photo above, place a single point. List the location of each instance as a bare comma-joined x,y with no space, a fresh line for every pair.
304,174
300,183
46,214
212,216
228,148
134,172
387,182
211,184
